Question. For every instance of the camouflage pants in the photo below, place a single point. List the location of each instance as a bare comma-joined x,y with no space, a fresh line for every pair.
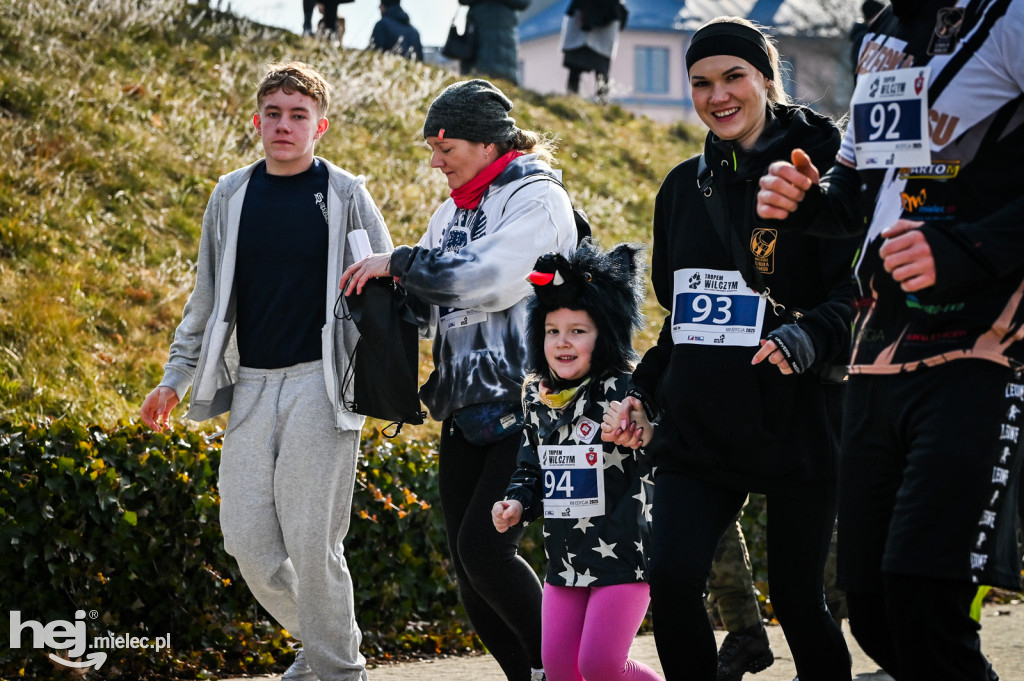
732,595
731,584
835,598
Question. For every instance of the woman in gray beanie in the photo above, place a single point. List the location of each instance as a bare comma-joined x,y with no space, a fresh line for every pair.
506,210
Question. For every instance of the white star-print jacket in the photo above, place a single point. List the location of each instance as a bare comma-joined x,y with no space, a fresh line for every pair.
598,550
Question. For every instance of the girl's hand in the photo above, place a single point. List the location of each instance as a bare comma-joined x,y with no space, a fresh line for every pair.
505,514
626,424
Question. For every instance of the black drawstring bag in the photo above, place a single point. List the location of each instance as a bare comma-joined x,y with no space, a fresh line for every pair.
383,368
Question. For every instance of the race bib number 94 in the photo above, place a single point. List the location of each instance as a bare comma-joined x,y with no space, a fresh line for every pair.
573,480
715,307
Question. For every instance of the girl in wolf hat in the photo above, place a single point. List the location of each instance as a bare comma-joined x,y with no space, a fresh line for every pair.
595,497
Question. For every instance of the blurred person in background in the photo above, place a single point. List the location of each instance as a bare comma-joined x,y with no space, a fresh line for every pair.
495,27
328,27
590,34
394,33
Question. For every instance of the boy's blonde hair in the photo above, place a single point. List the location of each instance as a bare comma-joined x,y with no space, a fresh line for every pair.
295,77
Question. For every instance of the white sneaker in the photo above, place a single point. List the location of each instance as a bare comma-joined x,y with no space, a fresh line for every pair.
299,671
538,675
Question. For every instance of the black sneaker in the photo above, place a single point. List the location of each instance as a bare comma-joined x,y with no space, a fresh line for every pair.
744,651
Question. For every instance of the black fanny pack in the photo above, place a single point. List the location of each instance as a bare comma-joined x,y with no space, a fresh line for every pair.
489,422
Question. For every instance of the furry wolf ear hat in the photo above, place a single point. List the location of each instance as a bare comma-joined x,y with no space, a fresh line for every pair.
607,285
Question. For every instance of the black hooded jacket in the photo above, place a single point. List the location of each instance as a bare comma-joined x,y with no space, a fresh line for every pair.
394,33
724,420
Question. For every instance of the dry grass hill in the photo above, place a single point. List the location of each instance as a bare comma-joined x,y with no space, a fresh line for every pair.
118,116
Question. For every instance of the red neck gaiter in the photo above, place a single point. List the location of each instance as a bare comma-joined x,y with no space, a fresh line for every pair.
469,194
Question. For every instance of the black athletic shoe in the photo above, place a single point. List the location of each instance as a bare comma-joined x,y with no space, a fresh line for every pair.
744,651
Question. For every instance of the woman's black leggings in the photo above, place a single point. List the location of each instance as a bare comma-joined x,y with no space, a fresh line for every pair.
500,591
689,517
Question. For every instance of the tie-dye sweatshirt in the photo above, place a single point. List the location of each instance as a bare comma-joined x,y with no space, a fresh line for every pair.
471,268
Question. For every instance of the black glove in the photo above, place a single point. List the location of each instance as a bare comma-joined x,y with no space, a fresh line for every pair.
795,345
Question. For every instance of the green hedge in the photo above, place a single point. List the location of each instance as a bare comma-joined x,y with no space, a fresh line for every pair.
123,524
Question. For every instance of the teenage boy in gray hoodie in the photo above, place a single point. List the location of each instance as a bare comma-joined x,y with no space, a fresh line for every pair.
258,337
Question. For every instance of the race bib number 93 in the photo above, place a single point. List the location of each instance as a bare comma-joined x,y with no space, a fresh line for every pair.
715,307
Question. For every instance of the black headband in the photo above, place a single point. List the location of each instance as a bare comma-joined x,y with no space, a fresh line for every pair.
736,40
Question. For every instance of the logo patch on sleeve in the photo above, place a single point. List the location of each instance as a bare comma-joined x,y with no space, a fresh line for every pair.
585,430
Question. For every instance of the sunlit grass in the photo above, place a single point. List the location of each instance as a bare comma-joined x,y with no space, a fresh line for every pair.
118,116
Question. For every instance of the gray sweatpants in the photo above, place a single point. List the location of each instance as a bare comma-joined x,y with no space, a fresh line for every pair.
286,481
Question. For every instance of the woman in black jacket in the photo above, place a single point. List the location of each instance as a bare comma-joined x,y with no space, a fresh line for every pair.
495,25
740,293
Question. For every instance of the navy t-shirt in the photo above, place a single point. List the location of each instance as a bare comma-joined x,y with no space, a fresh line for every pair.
281,271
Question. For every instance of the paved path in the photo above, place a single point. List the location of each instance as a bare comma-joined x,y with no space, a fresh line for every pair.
1002,638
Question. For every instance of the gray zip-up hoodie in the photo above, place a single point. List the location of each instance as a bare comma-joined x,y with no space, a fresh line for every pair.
204,354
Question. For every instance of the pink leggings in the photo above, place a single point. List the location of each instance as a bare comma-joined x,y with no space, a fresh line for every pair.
587,632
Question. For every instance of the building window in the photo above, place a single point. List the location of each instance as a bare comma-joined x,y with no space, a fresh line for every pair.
651,70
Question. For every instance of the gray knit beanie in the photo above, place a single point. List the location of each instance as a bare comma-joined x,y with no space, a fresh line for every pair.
473,110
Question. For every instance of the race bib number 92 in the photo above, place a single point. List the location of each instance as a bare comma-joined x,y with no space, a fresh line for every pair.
890,119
